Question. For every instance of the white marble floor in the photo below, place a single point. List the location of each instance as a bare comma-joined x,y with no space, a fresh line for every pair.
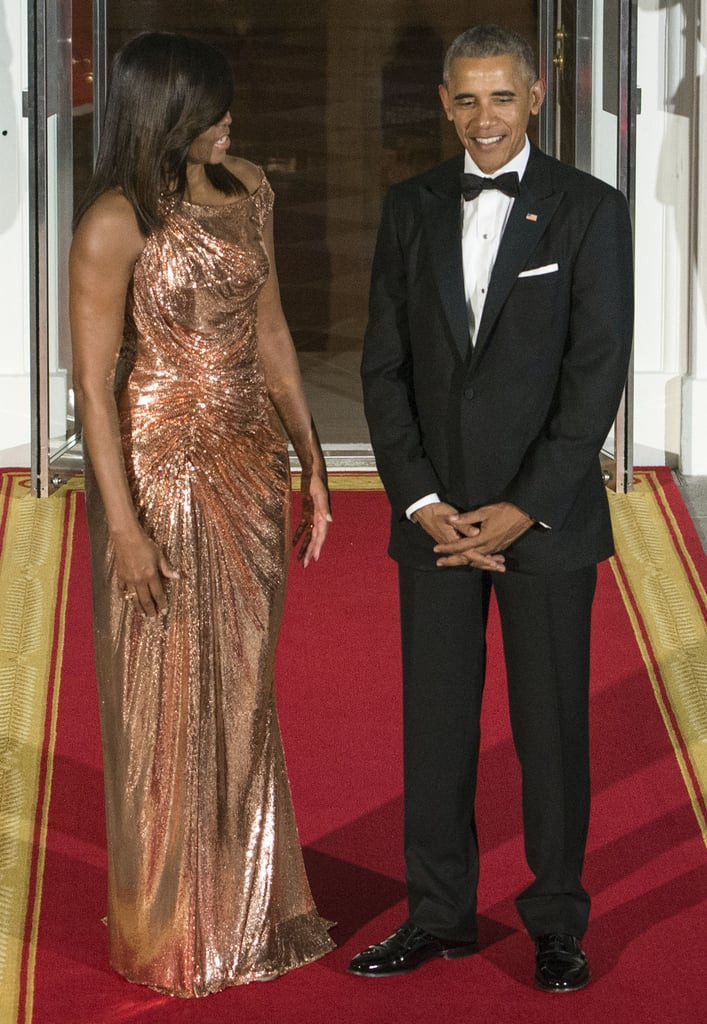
333,386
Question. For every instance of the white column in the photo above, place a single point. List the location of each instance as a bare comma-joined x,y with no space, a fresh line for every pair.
14,235
694,418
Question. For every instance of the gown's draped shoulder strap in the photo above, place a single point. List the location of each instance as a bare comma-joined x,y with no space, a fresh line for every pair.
264,199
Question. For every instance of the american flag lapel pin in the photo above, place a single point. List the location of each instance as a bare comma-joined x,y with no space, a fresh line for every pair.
531,216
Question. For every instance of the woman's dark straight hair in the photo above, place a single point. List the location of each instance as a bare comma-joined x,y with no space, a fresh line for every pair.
164,90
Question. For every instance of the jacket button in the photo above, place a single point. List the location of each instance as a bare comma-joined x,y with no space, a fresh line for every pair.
468,392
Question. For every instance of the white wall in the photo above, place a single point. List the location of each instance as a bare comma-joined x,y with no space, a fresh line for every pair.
14,254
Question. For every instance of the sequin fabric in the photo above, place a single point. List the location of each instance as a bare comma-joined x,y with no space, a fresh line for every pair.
206,885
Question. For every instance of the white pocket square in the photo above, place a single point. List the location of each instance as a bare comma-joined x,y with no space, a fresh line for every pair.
549,268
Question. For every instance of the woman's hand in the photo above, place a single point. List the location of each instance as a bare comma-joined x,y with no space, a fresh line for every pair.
141,569
314,519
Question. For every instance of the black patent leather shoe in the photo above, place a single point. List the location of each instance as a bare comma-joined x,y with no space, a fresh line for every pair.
404,950
561,964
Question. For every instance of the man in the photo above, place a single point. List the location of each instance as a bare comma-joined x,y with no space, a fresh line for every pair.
494,360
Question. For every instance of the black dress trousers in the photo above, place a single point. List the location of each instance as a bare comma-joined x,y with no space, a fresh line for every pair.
546,631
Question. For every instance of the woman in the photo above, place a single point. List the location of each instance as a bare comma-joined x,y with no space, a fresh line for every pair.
183,366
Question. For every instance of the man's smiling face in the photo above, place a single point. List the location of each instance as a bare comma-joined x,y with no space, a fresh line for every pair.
490,100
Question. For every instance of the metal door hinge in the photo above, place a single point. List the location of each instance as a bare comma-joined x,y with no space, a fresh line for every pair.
559,59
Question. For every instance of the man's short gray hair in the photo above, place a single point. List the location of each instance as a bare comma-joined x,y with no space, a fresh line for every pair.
491,41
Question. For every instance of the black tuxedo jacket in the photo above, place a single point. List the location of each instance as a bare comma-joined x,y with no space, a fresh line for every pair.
521,417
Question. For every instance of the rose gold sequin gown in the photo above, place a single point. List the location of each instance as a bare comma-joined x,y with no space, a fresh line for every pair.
206,885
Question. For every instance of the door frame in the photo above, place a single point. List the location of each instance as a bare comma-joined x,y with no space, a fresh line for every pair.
35,109
629,100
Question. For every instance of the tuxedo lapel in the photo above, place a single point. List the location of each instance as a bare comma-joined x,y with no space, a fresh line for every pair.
441,207
530,216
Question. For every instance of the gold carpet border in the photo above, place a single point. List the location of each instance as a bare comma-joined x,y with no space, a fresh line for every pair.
30,564
347,482
362,481
51,745
665,584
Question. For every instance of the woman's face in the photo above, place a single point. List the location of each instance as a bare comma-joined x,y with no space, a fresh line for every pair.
211,146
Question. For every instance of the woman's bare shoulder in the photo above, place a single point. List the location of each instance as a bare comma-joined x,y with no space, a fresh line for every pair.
110,227
249,173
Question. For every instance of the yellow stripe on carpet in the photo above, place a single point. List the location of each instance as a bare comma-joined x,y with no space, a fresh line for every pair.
666,591
362,481
30,568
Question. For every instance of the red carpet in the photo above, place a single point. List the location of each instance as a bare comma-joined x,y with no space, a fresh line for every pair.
340,710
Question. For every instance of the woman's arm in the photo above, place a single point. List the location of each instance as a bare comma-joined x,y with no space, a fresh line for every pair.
284,382
103,253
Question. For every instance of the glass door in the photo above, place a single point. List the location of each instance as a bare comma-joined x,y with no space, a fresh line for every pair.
590,67
60,111
620,36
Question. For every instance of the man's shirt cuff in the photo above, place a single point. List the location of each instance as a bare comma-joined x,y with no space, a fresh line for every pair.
429,499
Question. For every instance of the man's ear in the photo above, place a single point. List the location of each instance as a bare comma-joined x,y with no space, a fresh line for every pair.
446,102
537,95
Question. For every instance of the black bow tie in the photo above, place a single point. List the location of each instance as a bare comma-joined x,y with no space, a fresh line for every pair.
474,184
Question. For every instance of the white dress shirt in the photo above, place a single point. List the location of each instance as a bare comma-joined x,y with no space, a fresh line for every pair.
483,224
